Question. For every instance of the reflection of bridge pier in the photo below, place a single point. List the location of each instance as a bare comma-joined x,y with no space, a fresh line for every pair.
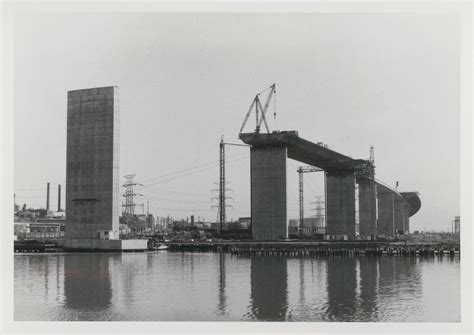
87,281
341,288
269,287
368,279
350,188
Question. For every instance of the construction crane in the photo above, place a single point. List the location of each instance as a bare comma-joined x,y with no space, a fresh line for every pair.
259,110
301,170
222,183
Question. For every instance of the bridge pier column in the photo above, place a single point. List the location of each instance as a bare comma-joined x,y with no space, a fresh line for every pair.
268,193
340,203
401,215
386,211
367,207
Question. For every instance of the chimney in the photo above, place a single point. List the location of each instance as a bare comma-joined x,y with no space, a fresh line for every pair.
47,198
59,197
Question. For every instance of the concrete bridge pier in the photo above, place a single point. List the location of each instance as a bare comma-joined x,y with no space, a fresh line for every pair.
268,193
367,207
401,215
393,212
340,203
386,211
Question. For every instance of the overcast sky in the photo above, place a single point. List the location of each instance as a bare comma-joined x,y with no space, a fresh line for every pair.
349,80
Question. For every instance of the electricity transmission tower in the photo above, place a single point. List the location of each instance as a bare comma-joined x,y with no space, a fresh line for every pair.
301,170
129,206
222,196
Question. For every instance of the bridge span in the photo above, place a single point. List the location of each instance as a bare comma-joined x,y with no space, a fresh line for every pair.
381,209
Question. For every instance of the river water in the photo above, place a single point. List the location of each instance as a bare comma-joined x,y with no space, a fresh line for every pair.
172,286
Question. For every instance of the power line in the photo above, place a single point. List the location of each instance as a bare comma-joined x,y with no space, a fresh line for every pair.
182,210
185,175
175,200
158,189
184,170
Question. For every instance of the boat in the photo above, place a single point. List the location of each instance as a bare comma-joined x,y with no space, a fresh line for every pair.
161,247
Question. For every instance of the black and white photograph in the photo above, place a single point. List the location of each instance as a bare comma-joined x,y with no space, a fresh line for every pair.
237,167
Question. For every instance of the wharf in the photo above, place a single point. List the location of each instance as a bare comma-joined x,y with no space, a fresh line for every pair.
313,248
37,246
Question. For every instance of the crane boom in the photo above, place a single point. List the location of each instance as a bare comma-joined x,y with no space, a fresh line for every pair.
259,122
259,110
267,103
248,114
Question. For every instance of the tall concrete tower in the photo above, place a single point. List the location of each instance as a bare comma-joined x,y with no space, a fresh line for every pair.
92,173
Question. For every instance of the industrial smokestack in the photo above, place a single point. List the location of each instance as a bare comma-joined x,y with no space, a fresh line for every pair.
59,197
47,198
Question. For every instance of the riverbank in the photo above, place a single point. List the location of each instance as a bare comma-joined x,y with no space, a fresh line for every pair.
305,248
287,248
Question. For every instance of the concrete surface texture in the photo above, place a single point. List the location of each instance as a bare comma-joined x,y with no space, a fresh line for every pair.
340,204
302,150
367,207
393,212
107,245
268,193
92,173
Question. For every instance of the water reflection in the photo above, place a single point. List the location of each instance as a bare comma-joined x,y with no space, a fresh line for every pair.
269,287
302,286
368,283
341,288
87,281
219,287
221,305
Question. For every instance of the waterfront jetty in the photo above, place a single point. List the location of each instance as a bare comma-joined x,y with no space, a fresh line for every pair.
37,246
309,249
280,248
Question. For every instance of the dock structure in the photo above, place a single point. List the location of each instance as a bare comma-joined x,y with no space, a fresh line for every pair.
316,248
356,204
92,172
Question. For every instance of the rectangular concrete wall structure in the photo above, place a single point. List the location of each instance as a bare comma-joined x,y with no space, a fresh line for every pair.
92,173
104,245
386,219
367,207
268,193
340,204
401,215
393,212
